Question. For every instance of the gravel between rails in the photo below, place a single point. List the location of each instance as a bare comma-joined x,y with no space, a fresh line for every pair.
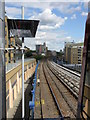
64,97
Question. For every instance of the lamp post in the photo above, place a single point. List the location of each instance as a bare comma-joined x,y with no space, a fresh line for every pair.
22,68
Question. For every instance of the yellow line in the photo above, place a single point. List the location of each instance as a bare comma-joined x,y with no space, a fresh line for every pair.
37,103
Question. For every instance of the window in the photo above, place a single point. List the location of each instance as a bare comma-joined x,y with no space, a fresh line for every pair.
86,92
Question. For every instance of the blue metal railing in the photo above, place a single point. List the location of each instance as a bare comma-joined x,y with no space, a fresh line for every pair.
32,103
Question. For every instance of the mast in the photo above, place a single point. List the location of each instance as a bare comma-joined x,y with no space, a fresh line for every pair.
23,69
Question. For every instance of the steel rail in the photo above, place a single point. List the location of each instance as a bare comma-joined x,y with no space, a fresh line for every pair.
70,106
68,70
53,94
75,94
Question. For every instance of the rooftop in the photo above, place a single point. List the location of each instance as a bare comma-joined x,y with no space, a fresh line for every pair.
10,66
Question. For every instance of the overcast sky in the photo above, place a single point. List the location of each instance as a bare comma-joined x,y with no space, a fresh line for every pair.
59,21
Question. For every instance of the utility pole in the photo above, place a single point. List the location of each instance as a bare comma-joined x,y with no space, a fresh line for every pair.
23,68
2,62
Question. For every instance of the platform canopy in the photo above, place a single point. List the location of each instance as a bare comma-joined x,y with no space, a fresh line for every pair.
22,28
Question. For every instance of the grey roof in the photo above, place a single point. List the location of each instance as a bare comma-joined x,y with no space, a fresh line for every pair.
10,66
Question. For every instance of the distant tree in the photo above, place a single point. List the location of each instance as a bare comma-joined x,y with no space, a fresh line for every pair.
28,53
60,51
38,57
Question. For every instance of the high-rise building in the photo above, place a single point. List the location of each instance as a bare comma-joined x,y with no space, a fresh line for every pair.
67,50
41,49
76,54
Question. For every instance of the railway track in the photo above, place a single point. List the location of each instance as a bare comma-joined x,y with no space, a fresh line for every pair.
47,107
53,94
61,95
70,80
68,70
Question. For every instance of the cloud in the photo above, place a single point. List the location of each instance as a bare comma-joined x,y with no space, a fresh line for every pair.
54,40
70,10
46,1
84,13
68,38
13,12
52,44
63,7
86,5
49,20
66,7
73,16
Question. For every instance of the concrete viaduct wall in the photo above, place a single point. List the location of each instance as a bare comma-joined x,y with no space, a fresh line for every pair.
14,81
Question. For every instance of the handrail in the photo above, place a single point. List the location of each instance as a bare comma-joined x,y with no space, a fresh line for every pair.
32,103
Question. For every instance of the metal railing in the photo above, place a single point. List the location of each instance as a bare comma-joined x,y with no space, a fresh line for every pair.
32,103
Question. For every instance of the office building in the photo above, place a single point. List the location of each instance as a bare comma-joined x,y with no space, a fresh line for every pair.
73,53
41,49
